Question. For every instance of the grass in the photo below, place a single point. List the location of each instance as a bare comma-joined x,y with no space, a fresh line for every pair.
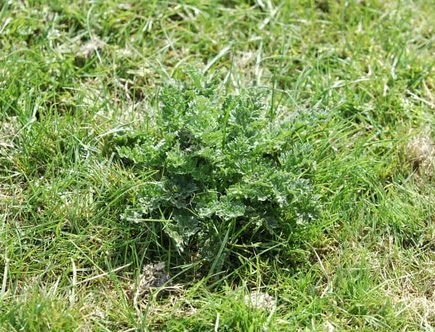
354,82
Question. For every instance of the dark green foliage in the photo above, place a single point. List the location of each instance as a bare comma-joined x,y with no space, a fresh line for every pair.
220,163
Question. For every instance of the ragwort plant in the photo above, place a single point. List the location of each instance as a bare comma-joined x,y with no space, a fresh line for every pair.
224,180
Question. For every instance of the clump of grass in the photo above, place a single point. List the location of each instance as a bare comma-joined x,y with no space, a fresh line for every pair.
36,311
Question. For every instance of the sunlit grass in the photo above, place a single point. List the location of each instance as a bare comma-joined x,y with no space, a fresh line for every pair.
350,82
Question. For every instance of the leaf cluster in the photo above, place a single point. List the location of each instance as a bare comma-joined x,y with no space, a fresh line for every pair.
225,171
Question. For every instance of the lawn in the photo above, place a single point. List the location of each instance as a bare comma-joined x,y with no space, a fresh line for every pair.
231,165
